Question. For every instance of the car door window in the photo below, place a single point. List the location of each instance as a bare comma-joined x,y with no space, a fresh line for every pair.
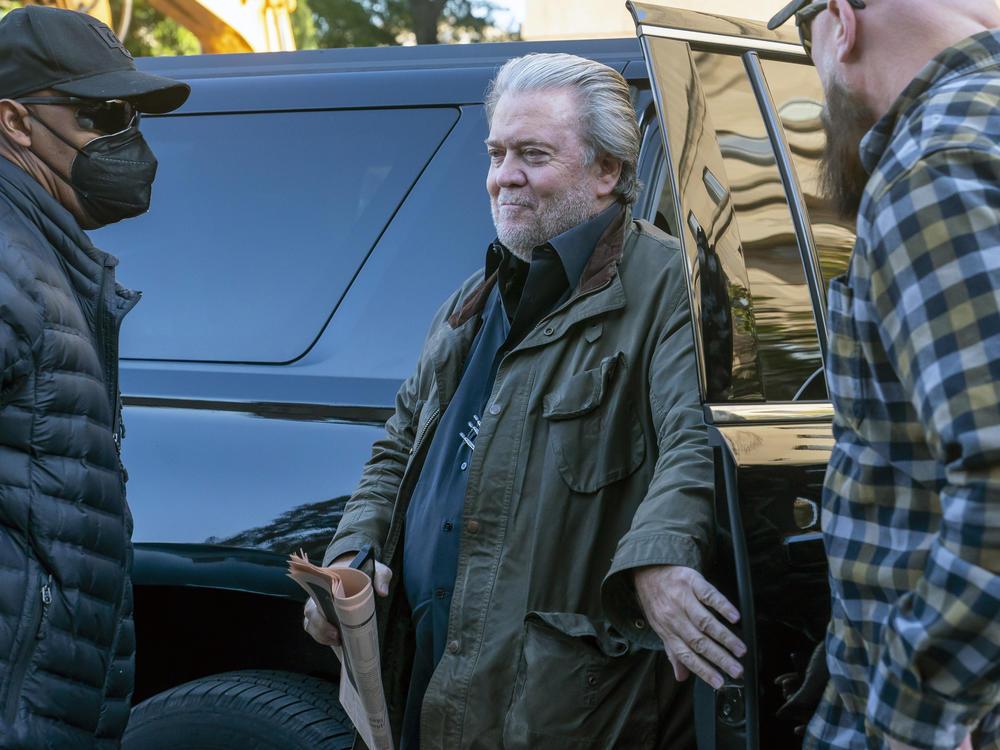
786,331
798,98
289,203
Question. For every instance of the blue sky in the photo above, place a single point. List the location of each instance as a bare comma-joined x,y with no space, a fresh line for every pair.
511,14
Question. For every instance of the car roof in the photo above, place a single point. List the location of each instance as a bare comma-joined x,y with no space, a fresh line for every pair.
423,75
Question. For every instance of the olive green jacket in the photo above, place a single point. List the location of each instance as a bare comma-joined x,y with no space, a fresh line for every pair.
592,460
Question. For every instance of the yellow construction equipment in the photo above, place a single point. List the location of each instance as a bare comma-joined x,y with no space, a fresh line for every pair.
219,25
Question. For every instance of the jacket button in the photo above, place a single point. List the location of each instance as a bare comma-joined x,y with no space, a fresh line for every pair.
472,527
549,331
453,647
494,408
639,623
592,679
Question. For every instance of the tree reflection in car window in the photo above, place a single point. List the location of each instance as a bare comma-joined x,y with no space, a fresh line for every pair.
789,349
798,97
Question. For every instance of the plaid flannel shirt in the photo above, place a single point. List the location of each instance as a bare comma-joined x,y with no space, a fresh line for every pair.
911,505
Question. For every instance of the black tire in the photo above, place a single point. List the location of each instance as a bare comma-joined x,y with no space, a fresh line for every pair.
250,710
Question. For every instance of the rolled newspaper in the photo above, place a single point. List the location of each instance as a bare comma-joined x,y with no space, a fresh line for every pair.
346,597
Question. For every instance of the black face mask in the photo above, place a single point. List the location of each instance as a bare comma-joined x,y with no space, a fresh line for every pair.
112,175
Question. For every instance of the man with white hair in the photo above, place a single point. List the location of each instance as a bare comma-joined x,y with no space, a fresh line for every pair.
911,504
543,493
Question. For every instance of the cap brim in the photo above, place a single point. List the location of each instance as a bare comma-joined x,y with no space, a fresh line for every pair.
785,13
150,93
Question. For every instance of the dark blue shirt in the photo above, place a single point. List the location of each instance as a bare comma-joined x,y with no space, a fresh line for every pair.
524,294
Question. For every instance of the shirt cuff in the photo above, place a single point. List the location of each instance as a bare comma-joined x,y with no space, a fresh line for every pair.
343,545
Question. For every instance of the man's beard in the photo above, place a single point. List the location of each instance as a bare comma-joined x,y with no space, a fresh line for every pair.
846,120
551,218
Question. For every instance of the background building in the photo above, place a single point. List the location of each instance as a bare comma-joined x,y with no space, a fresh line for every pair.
586,19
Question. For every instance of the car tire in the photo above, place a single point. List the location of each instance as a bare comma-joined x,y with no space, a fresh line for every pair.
247,710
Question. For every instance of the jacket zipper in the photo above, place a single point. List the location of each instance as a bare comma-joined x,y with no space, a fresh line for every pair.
28,646
423,432
43,625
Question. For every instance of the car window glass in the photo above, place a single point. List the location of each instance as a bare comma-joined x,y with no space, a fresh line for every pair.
798,98
258,224
786,332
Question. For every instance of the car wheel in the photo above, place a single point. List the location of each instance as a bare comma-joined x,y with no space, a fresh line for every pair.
249,710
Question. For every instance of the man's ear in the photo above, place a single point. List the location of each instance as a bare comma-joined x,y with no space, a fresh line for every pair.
846,29
15,124
608,169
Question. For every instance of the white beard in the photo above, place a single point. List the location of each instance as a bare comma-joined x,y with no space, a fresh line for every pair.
550,218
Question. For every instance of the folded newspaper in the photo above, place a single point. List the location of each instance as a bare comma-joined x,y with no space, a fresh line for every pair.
347,599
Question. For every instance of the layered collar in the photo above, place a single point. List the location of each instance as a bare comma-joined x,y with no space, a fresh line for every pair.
975,53
601,266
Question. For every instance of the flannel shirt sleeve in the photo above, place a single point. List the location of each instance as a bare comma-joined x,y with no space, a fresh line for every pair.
935,255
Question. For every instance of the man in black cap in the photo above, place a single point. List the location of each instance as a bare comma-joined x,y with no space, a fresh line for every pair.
911,501
73,158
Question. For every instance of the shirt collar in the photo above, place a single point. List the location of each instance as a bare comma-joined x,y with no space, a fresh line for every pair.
977,52
573,247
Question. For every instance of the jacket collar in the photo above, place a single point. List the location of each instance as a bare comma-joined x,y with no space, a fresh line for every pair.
87,264
53,220
977,53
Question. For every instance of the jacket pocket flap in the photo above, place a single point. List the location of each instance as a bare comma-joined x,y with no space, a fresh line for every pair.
580,626
583,392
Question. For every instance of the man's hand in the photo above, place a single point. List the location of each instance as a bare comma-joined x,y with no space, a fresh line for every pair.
678,603
316,625
897,745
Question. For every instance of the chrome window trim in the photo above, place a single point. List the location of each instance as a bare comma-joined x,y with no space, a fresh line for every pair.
795,197
799,411
693,282
702,37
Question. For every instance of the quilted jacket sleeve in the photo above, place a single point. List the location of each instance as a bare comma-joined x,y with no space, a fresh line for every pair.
21,320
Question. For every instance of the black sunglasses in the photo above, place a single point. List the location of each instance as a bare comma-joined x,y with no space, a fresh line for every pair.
107,116
804,19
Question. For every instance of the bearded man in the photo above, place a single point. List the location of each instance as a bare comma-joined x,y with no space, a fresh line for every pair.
543,493
911,503
71,158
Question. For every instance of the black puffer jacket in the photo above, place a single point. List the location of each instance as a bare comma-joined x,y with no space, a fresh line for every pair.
66,634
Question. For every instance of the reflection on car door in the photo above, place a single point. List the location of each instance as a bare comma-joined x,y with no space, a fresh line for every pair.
742,166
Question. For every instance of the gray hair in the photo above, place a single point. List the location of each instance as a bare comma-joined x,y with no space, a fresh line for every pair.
607,119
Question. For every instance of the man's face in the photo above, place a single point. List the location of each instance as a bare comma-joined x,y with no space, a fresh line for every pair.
538,182
60,155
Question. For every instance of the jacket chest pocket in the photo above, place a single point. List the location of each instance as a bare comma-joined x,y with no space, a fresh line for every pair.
594,435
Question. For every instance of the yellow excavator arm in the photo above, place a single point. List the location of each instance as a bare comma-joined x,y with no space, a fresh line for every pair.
219,25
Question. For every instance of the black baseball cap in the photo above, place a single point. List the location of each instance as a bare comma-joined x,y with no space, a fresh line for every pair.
73,53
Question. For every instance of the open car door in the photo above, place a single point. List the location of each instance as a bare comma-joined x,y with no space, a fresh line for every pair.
739,112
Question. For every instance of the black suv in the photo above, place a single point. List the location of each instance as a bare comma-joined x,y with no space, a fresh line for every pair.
311,212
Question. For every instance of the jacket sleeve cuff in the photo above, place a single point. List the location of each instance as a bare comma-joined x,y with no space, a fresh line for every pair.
920,719
618,597
348,543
